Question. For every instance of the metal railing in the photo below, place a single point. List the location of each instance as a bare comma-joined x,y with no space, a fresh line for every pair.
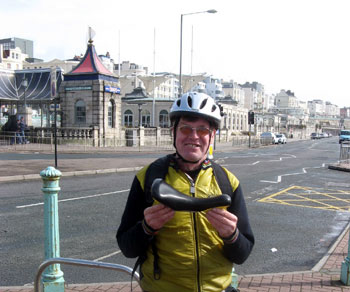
47,143
85,263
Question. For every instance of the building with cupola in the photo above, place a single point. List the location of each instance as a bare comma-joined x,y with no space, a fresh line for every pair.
90,96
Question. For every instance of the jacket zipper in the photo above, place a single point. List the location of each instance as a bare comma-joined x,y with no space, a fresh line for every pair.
192,191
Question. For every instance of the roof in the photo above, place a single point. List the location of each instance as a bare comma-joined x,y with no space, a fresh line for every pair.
38,89
137,93
90,67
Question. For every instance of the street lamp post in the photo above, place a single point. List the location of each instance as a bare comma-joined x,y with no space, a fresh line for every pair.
140,116
25,85
182,15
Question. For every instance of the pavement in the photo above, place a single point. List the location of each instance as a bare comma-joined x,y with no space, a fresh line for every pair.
324,276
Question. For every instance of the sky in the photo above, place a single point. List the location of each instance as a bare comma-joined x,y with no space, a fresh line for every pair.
297,45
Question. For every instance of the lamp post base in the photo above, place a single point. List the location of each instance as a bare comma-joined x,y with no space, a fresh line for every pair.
56,286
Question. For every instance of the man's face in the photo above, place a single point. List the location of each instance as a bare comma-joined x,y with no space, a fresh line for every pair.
193,138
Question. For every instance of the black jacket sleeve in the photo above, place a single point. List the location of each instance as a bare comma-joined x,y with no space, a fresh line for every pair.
239,251
131,238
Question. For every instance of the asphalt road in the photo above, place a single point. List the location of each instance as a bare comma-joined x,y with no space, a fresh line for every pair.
288,238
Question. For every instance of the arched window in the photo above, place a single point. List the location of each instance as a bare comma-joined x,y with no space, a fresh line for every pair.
128,118
111,114
146,118
163,119
80,112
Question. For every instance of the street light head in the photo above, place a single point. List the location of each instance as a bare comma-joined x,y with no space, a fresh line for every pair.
211,11
24,82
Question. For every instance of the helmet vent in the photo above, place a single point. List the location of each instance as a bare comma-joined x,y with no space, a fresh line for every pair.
178,102
213,108
189,101
204,102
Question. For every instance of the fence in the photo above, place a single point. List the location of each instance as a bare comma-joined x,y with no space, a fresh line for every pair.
87,139
131,139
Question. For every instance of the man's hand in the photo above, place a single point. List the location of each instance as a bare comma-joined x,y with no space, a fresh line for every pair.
223,221
156,216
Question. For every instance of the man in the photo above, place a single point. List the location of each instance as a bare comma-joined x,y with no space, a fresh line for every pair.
187,251
22,128
19,139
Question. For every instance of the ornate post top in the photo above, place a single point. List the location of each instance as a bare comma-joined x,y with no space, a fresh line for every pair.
50,173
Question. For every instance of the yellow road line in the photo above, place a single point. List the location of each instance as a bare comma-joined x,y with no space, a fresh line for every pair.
334,198
318,202
291,199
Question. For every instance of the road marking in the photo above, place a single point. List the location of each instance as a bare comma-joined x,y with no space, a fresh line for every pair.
74,199
258,161
279,178
316,198
107,256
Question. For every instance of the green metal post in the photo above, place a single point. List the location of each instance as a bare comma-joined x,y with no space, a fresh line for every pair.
234,282
345,268
52,278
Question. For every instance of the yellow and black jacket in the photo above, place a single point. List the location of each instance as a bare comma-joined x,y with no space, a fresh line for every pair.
190,254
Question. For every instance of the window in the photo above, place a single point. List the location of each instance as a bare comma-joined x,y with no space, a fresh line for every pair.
146,118
80,112
111,115
128,118
163,119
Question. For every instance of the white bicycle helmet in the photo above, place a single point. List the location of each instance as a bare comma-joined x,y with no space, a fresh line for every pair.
197,104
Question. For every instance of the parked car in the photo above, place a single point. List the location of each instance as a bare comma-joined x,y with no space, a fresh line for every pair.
344,136
268,138
282,139
315,136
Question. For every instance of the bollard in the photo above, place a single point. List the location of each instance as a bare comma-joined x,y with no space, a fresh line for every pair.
235,280
52,279
345,268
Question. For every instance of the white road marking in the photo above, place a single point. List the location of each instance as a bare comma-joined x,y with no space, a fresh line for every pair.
107,256
279,178
74,199
258,161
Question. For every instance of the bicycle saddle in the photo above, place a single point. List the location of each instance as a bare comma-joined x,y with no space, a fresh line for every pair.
167,195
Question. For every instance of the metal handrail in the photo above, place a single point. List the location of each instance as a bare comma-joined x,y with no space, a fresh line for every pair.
79,262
